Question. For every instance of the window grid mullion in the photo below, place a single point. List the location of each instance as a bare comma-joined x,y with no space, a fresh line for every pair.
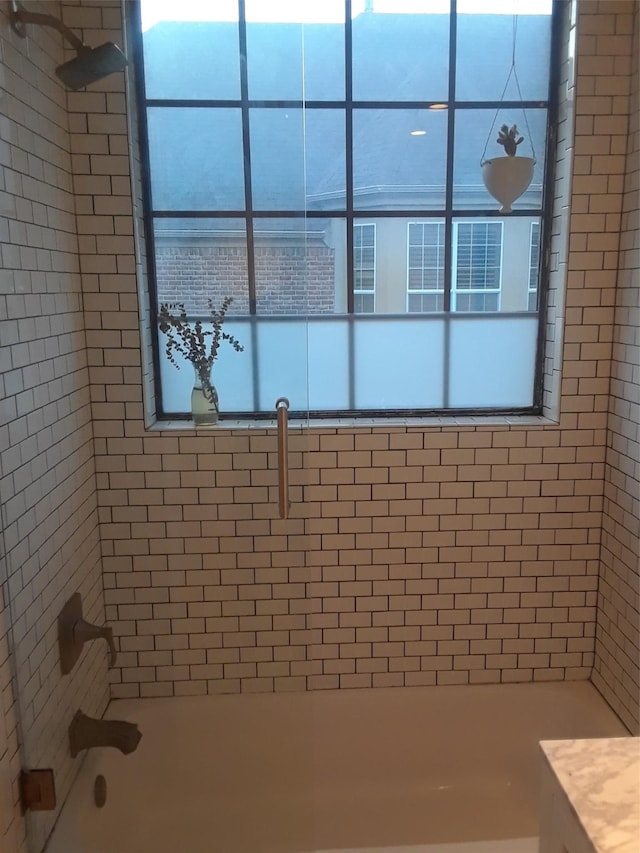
348,118
246,146
248,214
448,222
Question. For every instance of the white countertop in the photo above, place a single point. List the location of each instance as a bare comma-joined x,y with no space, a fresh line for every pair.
601,778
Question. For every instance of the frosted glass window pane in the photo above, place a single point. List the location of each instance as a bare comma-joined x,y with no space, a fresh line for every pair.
328,360
231,375
282,364
492,362
399,363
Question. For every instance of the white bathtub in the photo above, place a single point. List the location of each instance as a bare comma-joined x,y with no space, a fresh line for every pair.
334,770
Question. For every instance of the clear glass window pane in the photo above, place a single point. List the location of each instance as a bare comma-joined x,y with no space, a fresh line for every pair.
384,72
476,134
480,266
195,57
210,142
298,159
394,166
299,266
295,51
477,265
198,260
481,74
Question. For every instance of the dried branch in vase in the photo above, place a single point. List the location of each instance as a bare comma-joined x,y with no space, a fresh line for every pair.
190,340
199,346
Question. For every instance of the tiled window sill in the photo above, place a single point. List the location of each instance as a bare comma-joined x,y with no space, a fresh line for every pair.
490,421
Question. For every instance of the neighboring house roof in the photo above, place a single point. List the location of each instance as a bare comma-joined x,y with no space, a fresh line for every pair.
299,162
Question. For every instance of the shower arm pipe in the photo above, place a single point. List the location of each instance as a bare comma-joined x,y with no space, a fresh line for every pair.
20,17
282,416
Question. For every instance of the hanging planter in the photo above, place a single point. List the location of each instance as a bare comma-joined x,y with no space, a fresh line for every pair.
507,178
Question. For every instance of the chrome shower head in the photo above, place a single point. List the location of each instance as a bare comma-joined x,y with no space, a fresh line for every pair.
89,65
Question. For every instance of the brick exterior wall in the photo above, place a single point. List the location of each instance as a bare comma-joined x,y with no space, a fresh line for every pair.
289,280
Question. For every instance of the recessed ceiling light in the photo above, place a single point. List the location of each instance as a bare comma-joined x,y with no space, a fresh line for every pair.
418,133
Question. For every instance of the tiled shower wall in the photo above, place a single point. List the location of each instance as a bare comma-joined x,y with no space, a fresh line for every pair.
448,553
440,554
617,665
49,542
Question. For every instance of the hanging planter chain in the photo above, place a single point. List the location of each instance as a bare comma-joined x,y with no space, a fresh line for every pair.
512,71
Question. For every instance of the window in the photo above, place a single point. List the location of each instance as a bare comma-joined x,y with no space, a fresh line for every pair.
364,269
425,267
478,266
315,163
534,265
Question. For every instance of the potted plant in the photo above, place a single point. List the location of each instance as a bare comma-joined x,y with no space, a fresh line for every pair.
507,178
199,346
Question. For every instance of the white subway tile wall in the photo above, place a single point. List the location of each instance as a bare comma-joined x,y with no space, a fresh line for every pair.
448,554
414,555
50,534
616,672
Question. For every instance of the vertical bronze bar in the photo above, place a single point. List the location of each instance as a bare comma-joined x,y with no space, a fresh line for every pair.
282,415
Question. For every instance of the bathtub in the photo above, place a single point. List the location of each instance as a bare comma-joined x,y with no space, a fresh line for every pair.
422,769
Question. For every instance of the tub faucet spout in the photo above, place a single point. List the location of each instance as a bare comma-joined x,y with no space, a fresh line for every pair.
87,732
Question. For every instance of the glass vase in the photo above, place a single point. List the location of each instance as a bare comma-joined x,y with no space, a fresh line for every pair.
204,399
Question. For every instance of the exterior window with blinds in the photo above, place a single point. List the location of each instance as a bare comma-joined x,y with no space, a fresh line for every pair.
319,164
478,266
534,265
425,267
364,268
